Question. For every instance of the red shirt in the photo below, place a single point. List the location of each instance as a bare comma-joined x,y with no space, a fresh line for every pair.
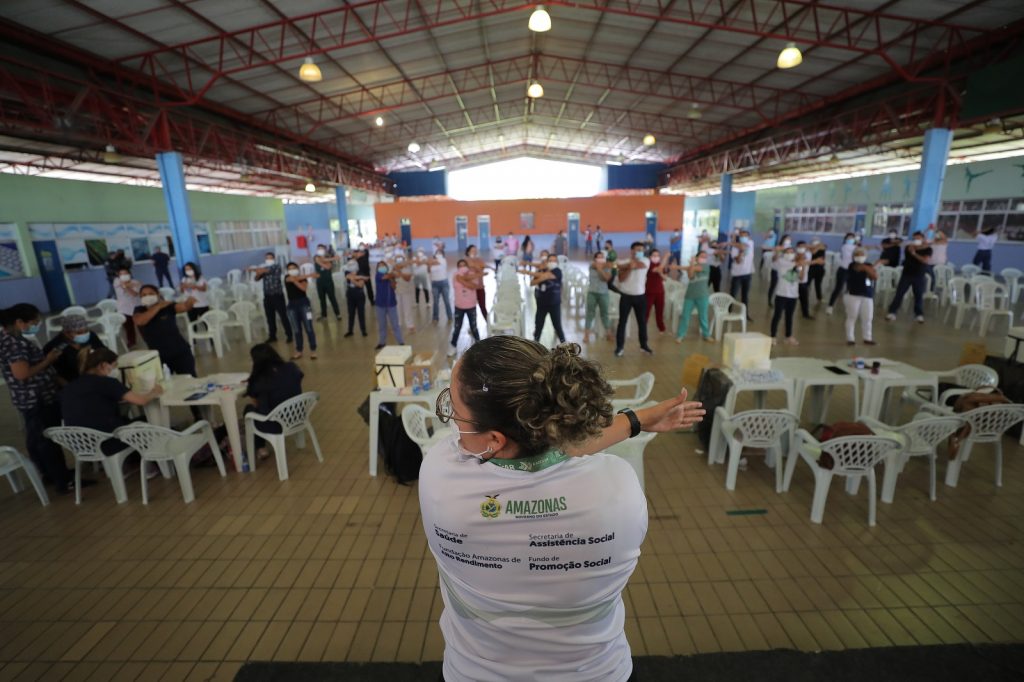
655,284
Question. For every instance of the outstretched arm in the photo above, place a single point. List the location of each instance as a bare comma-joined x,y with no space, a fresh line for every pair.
668,415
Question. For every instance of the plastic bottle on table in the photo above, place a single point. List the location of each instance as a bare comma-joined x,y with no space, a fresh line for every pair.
425,384
416,383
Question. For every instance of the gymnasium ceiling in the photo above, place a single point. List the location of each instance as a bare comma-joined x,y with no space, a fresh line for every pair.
218,80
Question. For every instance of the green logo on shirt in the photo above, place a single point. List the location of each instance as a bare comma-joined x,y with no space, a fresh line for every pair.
490,508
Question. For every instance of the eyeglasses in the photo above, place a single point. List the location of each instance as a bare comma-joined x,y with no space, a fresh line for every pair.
444,411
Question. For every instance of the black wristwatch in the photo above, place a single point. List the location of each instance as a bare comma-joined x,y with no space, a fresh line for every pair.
634,422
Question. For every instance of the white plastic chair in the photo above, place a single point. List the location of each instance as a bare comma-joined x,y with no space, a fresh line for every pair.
293,417
219,299
752,429
107,306
160,445
970,270
968,377
726,309
854,458
422,427
246,316
641,385
242,292
956,300
111,325
169,293
1012,277
84,445
632,450
921,437
214,283
210,326
988,424
991,299
11,461
234,276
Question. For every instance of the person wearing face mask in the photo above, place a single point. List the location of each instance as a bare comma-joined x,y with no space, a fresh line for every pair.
126,293
632,286
355,297
742,269
771,240
74,336
273,296
362,257
300,311
523,598
387,305
845,258
803,257
193,284
939,255
465,284
859,298
986,239
323,264
816,273
162,266
157,320
705,246
477,269
560,247
786,292
597,295
32,382
547,283
404,292
891,246
917,256
437,266
271,382
421,276
94,399
654,290
773,280
696,296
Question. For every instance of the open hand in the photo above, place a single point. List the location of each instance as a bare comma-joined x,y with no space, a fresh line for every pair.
671,415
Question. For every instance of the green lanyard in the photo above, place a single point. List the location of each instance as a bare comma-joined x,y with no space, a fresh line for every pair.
532,464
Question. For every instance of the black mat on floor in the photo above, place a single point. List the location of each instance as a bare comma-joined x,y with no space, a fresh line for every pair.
985,663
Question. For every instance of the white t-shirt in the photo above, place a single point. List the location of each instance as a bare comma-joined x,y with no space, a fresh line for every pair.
939,256
742,265
532,563
789,279
986,242
202,297
403,286
846,255
438,269
635,283
420,269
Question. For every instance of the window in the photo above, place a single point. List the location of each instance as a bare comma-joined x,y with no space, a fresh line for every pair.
962,219
240,235
821,219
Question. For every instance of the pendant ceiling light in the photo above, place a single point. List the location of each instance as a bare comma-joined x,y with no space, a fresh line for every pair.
414,147
649,140
789,57
535,90
310,187
310,72
110,154
540,20
379,121
694,112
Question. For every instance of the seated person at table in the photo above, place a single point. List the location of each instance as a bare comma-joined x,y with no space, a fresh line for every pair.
271,382
93,400
75,335
156,319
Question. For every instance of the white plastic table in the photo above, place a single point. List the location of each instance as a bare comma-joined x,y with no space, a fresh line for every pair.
391,395
892,374
785,384
811,373
228,388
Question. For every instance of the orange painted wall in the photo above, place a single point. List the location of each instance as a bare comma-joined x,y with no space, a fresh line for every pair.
612,213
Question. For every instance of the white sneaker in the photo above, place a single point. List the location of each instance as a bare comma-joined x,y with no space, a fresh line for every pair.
890,317
452,350
920,319
828,310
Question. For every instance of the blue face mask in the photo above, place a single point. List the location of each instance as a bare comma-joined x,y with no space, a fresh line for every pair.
382,271
850,241
34,329
82,338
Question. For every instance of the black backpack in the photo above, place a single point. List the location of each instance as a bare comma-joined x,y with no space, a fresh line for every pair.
402,457
712,390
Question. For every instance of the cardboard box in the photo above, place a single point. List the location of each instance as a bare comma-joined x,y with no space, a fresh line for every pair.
747,350
432,362
390,366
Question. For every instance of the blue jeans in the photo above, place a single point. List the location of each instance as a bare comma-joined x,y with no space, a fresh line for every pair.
917,284
301,315
385,315
440,289
983,259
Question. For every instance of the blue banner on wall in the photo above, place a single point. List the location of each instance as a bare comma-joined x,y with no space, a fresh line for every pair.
462,232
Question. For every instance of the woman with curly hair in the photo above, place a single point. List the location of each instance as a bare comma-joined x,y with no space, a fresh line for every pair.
535,541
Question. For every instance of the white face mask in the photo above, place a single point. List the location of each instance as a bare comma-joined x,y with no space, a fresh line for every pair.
190,273
399,259
293,271
268,262
860,259
786,242
321,252
801,251
463,452
125,278
892,235
150,300
918,242
114,373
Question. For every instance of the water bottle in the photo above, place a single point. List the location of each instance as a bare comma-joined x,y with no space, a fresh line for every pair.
245,464
415,383
426,380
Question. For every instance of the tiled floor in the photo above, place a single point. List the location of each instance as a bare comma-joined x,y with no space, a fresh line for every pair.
332,564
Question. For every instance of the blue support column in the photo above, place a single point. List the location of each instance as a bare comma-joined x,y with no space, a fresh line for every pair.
341,200
172,178
725,205
934,155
